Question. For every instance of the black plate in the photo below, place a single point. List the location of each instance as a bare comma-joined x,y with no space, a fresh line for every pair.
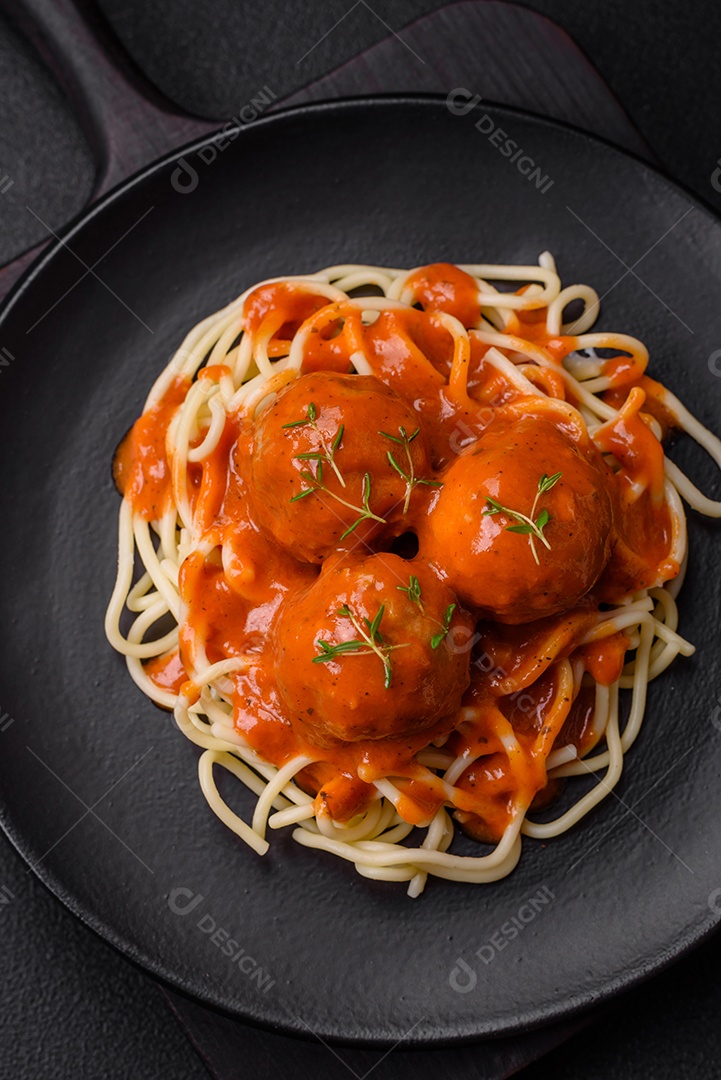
99,791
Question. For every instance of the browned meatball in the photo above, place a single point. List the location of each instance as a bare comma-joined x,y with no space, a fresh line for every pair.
404,672
492,568
320,469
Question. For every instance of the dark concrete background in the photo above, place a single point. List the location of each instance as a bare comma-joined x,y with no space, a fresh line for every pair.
71,1007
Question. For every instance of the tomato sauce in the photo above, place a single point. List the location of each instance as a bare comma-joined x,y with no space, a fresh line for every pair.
167,672
140,469
360,658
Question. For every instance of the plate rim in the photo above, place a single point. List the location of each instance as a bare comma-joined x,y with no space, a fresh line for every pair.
568,1009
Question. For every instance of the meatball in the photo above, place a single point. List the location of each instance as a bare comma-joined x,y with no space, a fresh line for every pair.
326,429
370,651
477,547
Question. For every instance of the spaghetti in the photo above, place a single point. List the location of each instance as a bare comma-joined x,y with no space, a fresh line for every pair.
413,533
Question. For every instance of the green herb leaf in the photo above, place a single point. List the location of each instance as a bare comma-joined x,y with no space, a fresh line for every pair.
370,642
495,507
438,638
412,590
525,523
394,463
324,456
547,482
351,528
373,629
409,476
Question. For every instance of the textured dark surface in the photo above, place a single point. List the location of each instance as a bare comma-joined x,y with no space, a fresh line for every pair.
664,1030
355,961
44,160
500,51
228,1049
71,1006
496,50
659,58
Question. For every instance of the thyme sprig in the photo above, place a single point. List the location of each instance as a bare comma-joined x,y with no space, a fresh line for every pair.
410,477
327,454
364,511
526,523
438,638
369,640
413,592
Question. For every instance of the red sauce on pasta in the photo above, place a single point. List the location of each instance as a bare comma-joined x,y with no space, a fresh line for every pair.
358,655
